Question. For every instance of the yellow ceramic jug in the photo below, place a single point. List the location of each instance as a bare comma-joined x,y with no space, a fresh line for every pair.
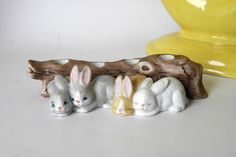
207,35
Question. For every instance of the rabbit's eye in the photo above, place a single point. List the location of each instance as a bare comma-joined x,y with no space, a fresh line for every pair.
53,104
72,99
65,102
85,98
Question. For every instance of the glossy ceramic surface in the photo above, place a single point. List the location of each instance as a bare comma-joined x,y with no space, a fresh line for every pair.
166,94
207,35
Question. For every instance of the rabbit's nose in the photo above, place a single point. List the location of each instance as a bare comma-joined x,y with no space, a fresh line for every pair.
60,108
77,101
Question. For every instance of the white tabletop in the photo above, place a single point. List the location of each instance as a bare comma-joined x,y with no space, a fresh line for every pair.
206,128
102,31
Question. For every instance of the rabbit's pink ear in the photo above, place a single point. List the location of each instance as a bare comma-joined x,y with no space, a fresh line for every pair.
118,86
74,74
85,75
127,87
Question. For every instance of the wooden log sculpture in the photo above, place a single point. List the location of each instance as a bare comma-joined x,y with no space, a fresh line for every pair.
154,66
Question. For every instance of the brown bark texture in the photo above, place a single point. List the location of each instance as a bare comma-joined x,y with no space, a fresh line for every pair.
154,66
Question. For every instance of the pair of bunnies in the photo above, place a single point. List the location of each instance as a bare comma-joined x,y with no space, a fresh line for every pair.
132,95
140,96
81,94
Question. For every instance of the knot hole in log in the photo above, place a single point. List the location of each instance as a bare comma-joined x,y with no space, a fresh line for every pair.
147,68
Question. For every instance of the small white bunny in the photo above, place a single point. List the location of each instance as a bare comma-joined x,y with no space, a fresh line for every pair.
87,95
165,94
61,104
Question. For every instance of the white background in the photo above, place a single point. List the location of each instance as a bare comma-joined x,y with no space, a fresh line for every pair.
102,30
78,27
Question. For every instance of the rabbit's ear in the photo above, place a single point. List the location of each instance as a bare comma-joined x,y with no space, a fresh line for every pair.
61,83
118,86
127,87
85,75
51,87
159,86
147,83
74,74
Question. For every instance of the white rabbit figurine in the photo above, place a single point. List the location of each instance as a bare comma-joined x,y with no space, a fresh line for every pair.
61,104
87,95
165,94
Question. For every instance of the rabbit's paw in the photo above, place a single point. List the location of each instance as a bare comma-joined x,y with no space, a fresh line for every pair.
175,109
107,105
76,109
84,110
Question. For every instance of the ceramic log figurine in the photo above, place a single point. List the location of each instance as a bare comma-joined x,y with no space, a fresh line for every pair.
86,95
167,94
124,89
154,66
61,104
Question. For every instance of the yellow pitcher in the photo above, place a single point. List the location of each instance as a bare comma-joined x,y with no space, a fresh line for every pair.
207,35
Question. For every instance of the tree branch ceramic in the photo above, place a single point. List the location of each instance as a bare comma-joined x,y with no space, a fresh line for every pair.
154,66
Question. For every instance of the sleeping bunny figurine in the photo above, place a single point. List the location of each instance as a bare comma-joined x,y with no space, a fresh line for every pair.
86,95
124,90
61,104
166,94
